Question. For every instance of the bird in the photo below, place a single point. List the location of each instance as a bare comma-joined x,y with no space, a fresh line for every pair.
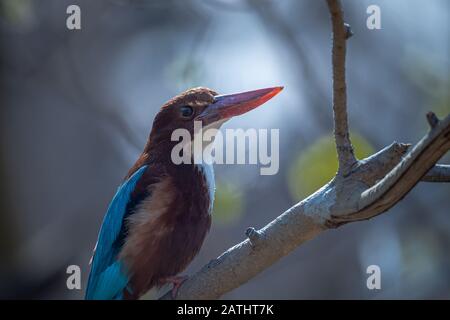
158,219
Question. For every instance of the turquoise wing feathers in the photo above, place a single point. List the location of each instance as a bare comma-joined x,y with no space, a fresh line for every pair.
108,277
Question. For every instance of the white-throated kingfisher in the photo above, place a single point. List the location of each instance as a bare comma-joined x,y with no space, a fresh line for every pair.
160,215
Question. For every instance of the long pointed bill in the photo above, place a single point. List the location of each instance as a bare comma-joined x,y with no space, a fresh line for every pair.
231,105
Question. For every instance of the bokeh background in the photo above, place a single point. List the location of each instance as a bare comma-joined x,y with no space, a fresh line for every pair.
77,106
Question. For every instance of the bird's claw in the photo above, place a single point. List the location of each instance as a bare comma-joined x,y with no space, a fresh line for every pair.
176,281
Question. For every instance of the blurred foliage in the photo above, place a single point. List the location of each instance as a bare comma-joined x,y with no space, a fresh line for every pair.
228,203
16,11
316,165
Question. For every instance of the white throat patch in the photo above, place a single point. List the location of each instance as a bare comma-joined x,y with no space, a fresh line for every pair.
208,172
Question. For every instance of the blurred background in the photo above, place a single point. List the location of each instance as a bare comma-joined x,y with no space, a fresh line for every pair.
77,107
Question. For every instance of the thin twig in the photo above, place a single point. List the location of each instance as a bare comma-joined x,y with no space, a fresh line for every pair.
344,146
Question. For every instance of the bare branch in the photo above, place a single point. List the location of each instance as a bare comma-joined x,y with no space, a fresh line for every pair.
432,119
253,236
341,32
243,261
439,173
334,204
348,31
361,190
400,180
386,159
413,167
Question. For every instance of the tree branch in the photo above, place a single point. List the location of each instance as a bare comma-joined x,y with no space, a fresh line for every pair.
412,168
388,191
439,173
331,206
341,32
360,190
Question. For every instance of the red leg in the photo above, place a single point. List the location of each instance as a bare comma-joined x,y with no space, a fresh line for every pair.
177,281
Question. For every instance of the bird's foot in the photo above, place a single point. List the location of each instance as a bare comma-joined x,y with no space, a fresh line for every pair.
176,281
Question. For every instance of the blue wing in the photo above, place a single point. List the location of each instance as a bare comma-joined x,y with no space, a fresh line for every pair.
108,276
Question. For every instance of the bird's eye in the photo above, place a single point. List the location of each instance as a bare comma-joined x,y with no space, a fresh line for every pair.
186,111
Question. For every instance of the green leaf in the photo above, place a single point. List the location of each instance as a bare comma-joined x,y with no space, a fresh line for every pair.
16,11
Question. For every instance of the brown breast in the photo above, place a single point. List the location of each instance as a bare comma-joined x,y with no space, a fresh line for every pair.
167,228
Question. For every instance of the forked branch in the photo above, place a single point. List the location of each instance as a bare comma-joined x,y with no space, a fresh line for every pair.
341,32
360,190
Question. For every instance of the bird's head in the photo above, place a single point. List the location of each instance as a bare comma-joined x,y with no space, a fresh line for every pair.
205,105
198,104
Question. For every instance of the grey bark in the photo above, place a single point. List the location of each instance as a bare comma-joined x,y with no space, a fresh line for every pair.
361,190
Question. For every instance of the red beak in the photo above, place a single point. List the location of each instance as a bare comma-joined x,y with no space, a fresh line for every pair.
231,105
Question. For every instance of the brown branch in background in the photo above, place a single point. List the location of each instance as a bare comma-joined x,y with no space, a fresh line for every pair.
341,32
